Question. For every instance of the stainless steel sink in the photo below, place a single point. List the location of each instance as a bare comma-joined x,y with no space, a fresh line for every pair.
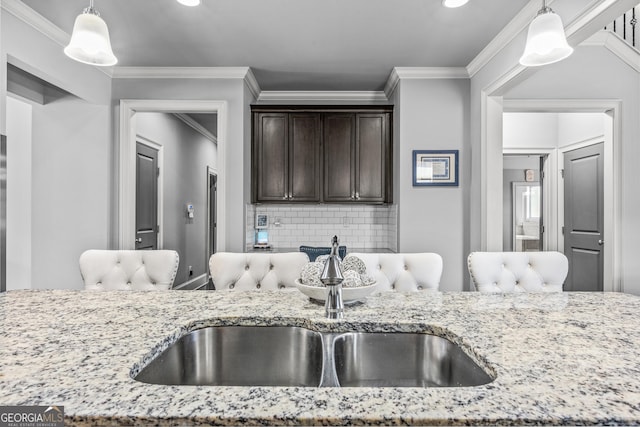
240,356
403,360
293,356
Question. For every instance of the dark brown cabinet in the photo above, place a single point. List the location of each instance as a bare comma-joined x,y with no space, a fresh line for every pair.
322,154
286,161
356,157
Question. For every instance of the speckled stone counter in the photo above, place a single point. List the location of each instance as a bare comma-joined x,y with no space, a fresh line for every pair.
557,358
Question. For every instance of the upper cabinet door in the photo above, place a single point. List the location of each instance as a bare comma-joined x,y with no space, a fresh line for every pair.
371,157
339,133
304,157
270,157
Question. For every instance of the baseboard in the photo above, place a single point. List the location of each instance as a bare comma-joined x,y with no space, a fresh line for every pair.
195,283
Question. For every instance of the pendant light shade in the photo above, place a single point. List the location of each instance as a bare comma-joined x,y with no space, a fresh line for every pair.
454,3
90,42
189,2
546,41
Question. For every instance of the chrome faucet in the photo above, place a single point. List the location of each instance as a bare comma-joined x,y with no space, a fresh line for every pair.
332,278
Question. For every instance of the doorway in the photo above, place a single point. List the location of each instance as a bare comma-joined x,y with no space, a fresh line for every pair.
523,200
609,113
212,200
127,160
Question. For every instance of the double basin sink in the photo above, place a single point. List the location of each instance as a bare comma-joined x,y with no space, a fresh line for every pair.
299,357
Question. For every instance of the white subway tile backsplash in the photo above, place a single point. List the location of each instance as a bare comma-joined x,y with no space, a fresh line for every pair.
360,226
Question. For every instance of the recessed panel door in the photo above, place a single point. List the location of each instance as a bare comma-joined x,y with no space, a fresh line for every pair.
371,137
304,157
271,157
584,218
146,197
339,157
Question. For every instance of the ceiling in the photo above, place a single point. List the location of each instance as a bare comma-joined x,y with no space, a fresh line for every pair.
295,44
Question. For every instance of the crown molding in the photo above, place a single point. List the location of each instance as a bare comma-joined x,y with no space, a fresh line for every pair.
244,73
35,20
321,96
252,83
617,46
392,83
504,37
189,121
399,73
180,72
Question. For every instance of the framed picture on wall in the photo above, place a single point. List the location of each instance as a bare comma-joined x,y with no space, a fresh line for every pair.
435,168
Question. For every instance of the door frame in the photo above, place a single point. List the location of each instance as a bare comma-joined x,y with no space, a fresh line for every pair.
210,172
160,197
126,146
491,144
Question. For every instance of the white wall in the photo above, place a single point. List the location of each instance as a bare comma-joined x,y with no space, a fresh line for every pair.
187,154
236,143
70,188
595,73
18,194
579,127
431,219
530,130
71,158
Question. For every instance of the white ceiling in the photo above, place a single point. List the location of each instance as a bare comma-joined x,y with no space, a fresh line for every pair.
295,44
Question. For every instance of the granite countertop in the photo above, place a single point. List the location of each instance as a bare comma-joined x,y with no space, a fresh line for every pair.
568,358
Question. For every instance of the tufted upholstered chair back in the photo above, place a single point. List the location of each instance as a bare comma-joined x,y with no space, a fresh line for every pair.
128,270
250,271
403,272
518,271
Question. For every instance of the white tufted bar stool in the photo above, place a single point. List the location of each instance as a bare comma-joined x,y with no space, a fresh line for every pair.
251,271
518,271
403,272
104,270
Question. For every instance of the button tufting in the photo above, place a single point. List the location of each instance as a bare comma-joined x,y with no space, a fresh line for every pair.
379,267
258,286
271,267
281,286
406,268
231,286
420,287
393,286
246,267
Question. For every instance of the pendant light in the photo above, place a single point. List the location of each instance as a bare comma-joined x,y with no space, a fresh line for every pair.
90,42
189,2
546,41
454,3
